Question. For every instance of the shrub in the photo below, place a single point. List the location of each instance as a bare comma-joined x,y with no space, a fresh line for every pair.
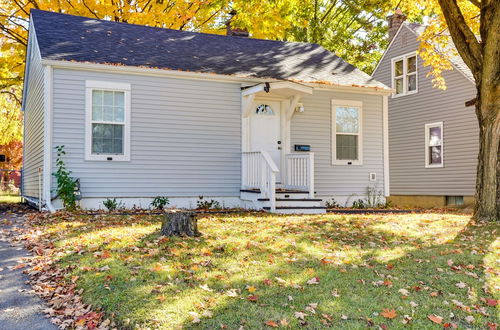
332,204
207,205
65,183
359,204
112,204
159,202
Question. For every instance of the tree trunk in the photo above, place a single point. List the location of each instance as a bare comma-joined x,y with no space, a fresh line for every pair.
488,167
180,223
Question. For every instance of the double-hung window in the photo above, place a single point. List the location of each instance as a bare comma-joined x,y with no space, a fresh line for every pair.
347,138
404,74
434,146
107,121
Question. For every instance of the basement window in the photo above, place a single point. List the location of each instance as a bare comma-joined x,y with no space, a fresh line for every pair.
454,200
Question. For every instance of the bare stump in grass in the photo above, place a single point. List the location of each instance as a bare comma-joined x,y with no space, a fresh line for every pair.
180,223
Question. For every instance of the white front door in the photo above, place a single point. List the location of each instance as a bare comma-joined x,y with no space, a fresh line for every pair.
265,130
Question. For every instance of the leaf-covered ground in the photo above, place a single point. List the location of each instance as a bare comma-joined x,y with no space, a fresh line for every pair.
250,271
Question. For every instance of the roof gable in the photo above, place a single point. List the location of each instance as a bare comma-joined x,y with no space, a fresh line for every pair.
417,29
73,38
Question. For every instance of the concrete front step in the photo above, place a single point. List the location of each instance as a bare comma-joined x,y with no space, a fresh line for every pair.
303,202
287,201
298,209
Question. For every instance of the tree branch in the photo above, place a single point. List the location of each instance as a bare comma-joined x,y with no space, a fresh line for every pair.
18,101
464,39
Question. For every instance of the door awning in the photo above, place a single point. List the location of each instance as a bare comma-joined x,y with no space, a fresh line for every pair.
285,89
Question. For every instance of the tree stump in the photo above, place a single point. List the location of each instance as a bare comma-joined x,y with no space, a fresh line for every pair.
180,223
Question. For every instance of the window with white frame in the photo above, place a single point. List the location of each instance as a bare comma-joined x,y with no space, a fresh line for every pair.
434,147
404,74
347,127
107,121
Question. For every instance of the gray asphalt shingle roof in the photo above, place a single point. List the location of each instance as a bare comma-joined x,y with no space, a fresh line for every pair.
75,38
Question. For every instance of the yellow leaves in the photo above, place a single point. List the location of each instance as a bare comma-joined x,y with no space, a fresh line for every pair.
251,289
158,267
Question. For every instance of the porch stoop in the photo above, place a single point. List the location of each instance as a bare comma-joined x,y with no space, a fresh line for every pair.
287,201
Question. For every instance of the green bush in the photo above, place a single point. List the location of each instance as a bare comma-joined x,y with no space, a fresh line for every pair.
112,204
65,183
159,202
207,205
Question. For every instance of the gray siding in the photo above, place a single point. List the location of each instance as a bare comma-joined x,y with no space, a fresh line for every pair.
185,137
313,127
33,119
407,117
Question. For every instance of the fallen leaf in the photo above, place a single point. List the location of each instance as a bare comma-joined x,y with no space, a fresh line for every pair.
389,313
272,324
404,292
435,318
469,319
314,280
253,298
300,315
251,289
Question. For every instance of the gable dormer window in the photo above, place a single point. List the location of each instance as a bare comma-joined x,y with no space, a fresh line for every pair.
404,74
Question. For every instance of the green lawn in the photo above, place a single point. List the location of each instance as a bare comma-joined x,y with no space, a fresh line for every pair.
247,270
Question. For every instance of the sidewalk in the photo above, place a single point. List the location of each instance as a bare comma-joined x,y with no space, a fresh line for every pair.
18,309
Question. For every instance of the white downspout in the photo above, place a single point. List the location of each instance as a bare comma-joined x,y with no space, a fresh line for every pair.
385,125
47,138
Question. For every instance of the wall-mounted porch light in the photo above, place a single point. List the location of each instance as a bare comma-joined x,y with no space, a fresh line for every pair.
299,107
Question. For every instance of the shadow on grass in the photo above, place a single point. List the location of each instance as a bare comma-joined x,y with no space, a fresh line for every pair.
163,297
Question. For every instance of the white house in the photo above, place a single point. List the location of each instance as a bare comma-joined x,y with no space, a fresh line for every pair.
145,112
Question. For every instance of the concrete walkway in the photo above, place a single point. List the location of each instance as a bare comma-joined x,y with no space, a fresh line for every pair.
18,308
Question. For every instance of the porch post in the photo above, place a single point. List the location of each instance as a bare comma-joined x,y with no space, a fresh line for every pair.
311,175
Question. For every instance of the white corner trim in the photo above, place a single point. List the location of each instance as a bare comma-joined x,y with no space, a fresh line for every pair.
91,85
343,162
427,136
385,129
47,137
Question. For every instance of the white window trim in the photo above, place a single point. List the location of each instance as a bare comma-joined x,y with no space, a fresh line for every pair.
405,74
426,150
349,103
110,86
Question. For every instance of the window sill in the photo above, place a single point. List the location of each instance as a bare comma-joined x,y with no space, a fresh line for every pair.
104,158
395,96
345,162
434,166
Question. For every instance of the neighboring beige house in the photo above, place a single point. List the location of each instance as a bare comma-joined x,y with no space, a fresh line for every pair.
433,136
